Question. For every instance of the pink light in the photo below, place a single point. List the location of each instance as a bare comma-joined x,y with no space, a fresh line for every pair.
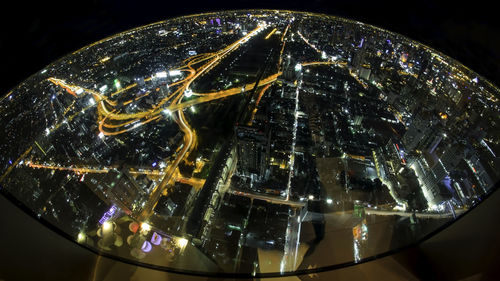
133,227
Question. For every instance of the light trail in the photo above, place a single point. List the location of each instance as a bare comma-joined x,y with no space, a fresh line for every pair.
193,74
270,33
294,140
69,107
284,33
336,63
107,115
282,46
74,89
189,137
417,214
8,95
268,198
41,149
362,83
110,116
343,64
9,169
78,170
195,182
160,188
176,106
257,103
307,42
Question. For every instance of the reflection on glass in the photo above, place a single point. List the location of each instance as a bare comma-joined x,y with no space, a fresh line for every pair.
250,142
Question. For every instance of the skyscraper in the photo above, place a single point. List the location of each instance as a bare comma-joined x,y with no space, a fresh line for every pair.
253,152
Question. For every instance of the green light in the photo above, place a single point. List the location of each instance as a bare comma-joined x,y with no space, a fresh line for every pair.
117,84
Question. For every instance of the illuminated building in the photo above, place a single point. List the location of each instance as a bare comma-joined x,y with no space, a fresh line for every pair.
253,152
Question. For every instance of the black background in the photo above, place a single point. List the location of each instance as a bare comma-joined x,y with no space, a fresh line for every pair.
35,34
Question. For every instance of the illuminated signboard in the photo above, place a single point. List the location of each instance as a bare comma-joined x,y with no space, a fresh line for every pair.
146,247
156,238
108,215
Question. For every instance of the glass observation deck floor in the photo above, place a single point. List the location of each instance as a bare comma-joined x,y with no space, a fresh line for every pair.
250,143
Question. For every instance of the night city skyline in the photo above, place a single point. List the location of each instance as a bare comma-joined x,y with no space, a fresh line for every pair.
253,141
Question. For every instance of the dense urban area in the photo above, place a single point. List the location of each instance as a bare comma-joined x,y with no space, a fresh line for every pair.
250,142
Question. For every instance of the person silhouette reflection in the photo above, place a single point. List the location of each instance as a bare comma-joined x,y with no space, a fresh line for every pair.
316,208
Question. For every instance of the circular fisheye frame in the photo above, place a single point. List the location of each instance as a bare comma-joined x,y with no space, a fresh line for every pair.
253,143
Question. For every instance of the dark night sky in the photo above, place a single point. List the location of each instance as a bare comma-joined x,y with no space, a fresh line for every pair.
35,34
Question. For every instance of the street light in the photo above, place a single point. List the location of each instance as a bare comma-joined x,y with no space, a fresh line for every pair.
145,227
107,226
182,242
167,112
81,237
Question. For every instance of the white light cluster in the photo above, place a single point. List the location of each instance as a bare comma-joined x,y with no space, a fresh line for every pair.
161,74
175,72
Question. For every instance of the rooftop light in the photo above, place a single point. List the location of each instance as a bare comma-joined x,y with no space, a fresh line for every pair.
161,74
146,227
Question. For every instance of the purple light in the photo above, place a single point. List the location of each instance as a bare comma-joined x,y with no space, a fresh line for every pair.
361,44
156,238
10,162
154,164
212,22
388,41
109,214
146,247
447,183
218,21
